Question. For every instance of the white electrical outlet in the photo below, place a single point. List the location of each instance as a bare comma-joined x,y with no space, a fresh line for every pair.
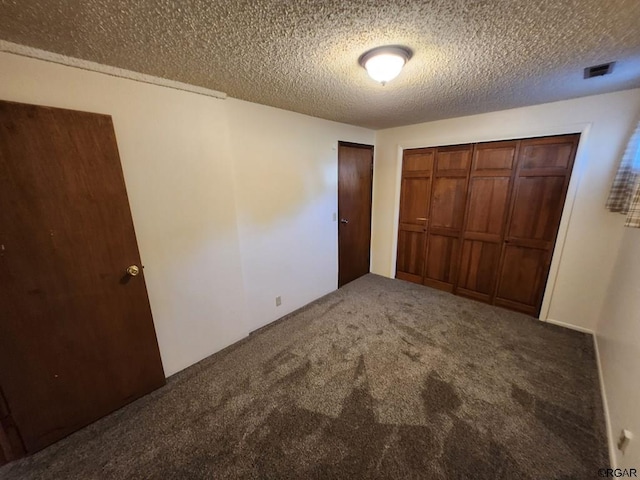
335,216
278,301
623,441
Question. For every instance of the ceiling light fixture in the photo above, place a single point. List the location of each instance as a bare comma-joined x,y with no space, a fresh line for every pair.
383,64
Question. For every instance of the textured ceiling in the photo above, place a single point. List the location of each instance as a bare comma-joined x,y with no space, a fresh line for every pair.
470,56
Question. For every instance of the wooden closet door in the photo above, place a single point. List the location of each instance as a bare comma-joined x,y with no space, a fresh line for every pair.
490,184
444,229
417,173
542,179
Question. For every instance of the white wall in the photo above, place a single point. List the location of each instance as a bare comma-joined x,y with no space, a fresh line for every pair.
286,176
618,339
175,155
178,151
589,235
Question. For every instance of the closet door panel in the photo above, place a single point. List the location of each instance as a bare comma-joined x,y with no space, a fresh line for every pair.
540,188
547,153
522,278
410,255
478,268
537,208
418,160
454,159
415,194
488,200
415,200
441,262
448,202
487,205
494,156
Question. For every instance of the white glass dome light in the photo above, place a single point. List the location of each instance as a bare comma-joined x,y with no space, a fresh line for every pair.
383,64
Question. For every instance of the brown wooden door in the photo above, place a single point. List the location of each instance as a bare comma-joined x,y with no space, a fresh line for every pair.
355,177
446,215
415,193
76,335
487,233
540,188
490,184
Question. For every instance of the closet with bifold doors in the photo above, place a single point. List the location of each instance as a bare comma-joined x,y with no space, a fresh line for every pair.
481,220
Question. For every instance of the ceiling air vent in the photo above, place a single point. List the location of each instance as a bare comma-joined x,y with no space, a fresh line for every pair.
599,70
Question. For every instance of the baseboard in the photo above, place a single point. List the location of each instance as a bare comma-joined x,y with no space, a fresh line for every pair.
568,325
605,405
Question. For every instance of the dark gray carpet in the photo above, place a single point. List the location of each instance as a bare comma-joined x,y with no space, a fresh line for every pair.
381,379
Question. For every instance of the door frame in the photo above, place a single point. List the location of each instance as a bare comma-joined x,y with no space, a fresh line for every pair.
366,147
579,167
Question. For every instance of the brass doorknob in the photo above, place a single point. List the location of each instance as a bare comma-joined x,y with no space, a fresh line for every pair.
133,270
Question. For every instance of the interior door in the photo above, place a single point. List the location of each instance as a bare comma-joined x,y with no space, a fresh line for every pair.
540,188
355,181
490,185
415,193
444,229
76,334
